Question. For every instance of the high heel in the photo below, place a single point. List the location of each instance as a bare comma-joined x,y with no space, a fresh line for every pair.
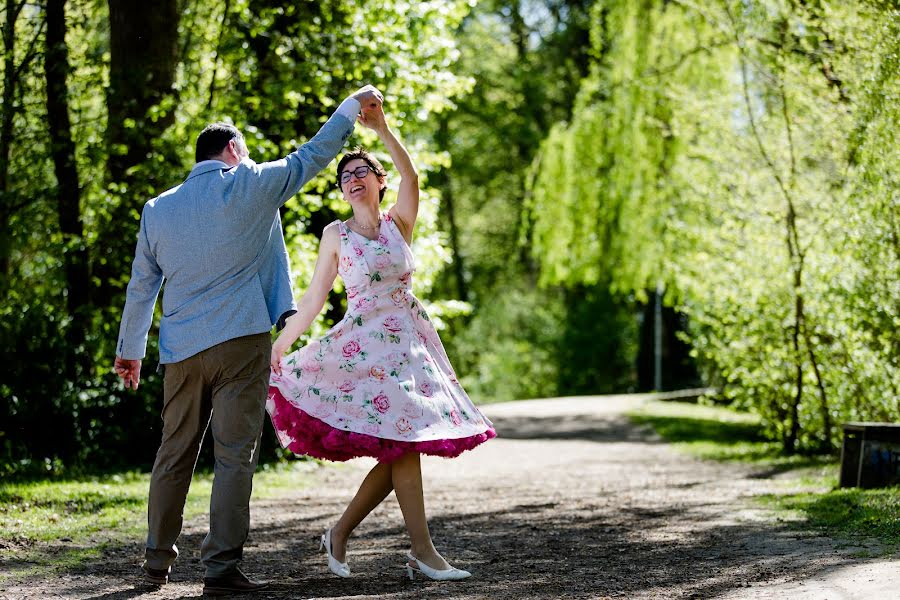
451,574
341,569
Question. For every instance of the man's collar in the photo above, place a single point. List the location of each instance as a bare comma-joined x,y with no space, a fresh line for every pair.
205,166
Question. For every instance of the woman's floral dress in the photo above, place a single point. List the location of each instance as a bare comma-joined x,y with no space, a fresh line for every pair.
378,383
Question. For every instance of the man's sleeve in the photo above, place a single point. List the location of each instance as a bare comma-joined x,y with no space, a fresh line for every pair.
140,298
277,181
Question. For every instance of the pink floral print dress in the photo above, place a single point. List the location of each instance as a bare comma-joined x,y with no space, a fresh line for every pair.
379,382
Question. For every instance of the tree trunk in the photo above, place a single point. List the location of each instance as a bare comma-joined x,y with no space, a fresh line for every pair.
68,191
795,252
462,289
143,59
442,182
7,109
827,426
793,434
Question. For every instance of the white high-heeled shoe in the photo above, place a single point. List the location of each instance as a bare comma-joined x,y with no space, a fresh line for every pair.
451,574
341,569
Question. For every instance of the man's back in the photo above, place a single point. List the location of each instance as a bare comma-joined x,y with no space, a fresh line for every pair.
216,239
208,236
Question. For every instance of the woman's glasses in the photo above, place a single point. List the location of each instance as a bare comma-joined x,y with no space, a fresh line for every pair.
358,172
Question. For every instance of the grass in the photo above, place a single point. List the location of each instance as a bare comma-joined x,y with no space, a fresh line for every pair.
851,515
718,433
49,526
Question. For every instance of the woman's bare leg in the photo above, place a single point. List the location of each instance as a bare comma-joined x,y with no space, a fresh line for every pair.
406,474
373,490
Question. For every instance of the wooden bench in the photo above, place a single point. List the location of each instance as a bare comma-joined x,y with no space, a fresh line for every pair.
870,455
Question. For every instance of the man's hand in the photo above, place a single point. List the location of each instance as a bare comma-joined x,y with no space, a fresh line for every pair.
368,97
129,371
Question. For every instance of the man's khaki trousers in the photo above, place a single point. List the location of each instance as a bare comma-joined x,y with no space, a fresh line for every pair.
223,388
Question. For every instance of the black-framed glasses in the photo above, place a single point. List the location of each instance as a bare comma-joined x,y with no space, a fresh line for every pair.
358,172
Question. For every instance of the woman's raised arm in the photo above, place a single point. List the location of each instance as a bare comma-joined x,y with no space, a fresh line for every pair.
406,209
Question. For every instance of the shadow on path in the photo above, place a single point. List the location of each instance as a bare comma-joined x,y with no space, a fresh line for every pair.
526,551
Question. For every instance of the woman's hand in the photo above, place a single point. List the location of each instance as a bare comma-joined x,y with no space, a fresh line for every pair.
368,96
373,118
278,351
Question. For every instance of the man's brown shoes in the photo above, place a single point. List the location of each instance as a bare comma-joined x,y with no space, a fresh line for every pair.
233,583
155,576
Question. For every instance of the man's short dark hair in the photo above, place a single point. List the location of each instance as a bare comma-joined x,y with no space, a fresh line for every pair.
374,163
213,139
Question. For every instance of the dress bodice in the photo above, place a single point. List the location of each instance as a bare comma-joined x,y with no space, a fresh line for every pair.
375,271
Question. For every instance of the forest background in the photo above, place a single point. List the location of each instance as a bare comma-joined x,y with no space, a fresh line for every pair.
590,168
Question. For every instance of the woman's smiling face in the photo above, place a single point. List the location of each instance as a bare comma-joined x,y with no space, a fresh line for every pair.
359,181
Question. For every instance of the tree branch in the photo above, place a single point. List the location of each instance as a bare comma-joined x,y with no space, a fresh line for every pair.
31,52
215,70
676,64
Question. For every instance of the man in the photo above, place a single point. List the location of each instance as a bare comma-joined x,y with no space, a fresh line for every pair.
216,241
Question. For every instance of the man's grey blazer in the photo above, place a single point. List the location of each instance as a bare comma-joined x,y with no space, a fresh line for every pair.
216,241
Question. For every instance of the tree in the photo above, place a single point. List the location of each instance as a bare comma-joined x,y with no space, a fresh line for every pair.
68,189
526,60
717,147
140,102
16,65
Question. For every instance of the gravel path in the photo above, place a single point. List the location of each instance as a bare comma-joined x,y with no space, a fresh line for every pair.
572,501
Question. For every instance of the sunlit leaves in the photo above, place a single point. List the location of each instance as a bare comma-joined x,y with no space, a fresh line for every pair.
716,126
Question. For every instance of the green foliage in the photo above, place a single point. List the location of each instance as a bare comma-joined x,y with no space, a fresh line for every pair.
526,61
597,347
739,154
531,343
507,351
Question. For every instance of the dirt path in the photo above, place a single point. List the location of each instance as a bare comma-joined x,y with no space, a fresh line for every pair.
572,501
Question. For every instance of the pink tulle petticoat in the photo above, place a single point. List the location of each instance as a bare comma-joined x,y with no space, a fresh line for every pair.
315,438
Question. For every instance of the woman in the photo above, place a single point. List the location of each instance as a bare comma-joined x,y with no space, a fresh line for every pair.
379,382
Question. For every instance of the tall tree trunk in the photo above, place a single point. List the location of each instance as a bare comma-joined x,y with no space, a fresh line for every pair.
795,251
143,59
535,121
827,426
68,191
793,434
62,147
7,109
442,182
462,289
13,75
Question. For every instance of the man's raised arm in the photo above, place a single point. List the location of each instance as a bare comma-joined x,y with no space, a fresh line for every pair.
279,180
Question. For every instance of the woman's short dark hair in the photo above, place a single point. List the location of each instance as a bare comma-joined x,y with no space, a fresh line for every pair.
363,154
213,139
